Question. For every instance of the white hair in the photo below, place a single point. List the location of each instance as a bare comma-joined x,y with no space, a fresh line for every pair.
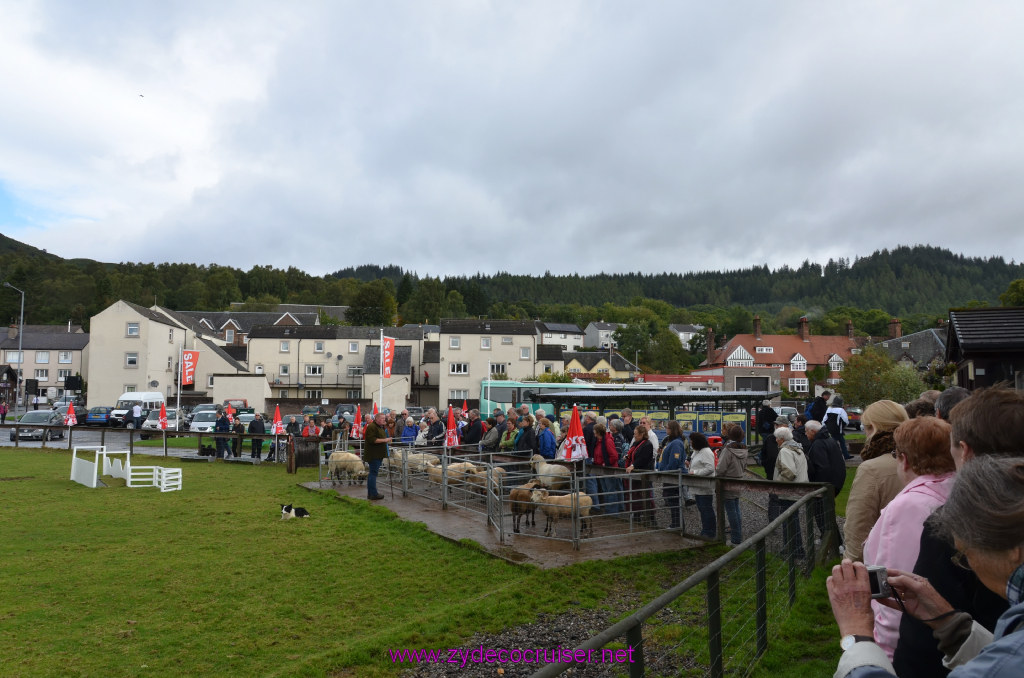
812,426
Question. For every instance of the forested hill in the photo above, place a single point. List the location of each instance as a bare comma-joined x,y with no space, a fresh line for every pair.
903,281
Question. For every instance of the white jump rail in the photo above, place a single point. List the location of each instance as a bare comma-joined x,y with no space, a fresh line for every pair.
88,472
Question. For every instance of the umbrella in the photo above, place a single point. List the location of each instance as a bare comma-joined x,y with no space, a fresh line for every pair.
278,427
163,416
71,419
451,436
575,448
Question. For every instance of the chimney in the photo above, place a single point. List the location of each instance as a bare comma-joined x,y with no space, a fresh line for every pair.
757,327
710,334
849,328
895,328
802,329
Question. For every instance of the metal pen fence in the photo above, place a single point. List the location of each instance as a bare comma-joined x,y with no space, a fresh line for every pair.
722,629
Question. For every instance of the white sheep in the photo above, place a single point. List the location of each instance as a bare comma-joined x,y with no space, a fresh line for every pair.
551,476
345,465
521,502
415,462
561,506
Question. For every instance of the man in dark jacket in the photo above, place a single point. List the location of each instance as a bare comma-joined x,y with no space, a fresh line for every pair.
222,425
766,417
818,407
435,434
825,464
474,430
257,426
800,432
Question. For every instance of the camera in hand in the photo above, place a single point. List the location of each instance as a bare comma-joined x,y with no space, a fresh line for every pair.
878,576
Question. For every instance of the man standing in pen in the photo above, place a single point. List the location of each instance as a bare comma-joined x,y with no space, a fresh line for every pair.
375,448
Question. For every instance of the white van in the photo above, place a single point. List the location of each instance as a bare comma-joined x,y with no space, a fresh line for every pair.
147,400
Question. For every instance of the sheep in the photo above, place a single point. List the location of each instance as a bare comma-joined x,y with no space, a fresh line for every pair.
551,476
434,474
342,465
415,462
560,506
521,501
457,473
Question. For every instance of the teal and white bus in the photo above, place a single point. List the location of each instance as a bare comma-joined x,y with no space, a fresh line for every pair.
506,393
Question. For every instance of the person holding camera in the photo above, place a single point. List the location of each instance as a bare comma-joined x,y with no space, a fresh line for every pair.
984,516
925,467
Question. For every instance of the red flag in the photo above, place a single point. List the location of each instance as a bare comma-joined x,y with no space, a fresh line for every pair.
189,361
230,411
357,425
71,419
575,447
375,408
451,436
163,416
465,410
388,356
278,427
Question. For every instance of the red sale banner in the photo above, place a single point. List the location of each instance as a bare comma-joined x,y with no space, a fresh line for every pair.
189,360
389,356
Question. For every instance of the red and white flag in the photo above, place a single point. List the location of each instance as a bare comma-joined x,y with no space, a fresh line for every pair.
189,361
163,417
465,410
357,425
575,447
71,419
375,408
230,411
451,436
387,357
278,426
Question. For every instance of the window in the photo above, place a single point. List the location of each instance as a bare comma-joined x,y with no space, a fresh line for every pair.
495,369
798,385
549,368
129,388
454,342
798,365
485,343
283,393
63,374
574,370
506,341
765,349
170,364
458,394
458,368
903,344
131,359
353,347
314,371
834,381
43,375
285,346
314,394
64,357
740,362
229,336
563,335
355,370
131,330
259,369
42,357
13,357
524,353
318,347
209,381
284,371
170,336
855,351
547,335
835,364
604,370
354,394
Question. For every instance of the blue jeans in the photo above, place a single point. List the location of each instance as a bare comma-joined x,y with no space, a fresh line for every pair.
590,486
706,507
371,480
732,512
611,494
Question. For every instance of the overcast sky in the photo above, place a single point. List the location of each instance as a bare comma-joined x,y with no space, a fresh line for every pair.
456,137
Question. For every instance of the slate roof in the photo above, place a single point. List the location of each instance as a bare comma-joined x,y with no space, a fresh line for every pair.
925,346
689,329
402,365
606,326
985,329
590,359
47,341
405,333
549,352
245,320
52,329
219,350
149,313
465,326
568,328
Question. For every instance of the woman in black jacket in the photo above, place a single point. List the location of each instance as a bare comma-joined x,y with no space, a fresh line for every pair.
526,442
640,458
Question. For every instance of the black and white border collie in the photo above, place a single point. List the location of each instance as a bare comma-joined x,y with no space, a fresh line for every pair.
289,511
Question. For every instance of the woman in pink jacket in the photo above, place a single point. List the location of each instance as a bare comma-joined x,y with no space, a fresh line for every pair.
925,466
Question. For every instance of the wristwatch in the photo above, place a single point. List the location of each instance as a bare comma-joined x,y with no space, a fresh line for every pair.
849,641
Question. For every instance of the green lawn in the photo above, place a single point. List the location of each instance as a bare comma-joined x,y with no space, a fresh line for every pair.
210,581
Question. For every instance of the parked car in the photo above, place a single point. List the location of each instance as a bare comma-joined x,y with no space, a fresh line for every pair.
97,416
79,401
203,407
152,422
854,414
203,421
31,424
346,410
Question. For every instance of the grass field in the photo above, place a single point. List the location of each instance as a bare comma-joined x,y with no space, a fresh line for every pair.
210,581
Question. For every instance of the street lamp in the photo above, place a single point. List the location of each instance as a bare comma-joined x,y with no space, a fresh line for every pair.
21,354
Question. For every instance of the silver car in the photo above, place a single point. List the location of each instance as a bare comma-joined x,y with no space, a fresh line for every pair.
175,422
